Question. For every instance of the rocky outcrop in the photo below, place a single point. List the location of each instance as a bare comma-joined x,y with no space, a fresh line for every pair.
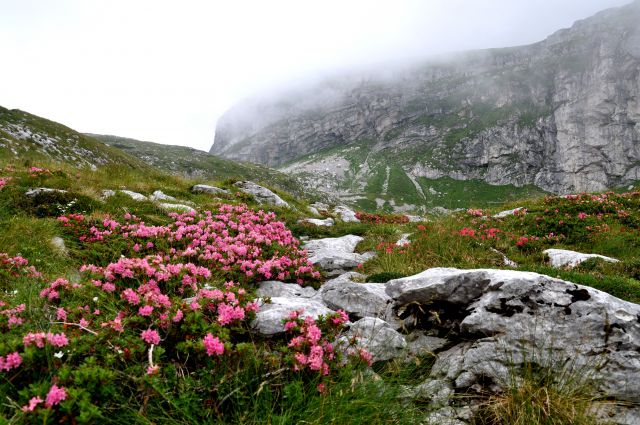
336,255
562,114
567,258
261,194
499,320
212,190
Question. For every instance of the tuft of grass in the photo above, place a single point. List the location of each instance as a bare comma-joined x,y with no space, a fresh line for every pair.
540,395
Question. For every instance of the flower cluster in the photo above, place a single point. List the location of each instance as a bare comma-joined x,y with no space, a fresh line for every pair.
310,345
4,181
10,361
54,396
37,172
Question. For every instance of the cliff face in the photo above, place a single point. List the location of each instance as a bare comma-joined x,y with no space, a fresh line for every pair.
562,114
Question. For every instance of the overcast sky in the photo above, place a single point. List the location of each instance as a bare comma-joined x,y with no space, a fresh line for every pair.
164,71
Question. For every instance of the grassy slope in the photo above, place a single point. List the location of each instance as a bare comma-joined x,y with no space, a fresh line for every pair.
195,164
49,141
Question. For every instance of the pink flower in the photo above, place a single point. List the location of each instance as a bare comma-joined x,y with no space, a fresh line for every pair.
61,314
55,396
33,403
178,316
11,361
145,311
150,336
213,345
57,340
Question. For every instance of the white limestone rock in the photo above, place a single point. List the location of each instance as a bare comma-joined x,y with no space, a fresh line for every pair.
159,195
336,254
377,337
204,188
327,222
270,317
275,288
346,214
31,193
261,194
566,258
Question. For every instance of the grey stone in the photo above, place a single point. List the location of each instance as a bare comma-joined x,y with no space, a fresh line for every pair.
58,245
507,213
204,188
357,299
270,317
509,318
404,239
566,258
336,254
346,214
159,195
134,195
176,207
261,194
274,288
40,190
419,344
328,222
377,337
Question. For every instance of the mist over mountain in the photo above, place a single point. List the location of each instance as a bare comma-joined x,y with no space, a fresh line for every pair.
561,115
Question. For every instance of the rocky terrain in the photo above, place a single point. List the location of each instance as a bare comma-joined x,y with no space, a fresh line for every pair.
560,116
130,294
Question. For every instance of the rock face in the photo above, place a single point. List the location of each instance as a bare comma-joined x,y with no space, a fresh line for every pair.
378,338
562,114
359,299
567,258
497,320
261,194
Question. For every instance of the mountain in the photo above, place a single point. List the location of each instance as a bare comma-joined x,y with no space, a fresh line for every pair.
196,164
561,115
24,136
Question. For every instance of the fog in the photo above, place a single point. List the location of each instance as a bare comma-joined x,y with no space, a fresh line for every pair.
165,71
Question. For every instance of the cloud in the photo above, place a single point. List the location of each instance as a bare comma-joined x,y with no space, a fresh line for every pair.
164,71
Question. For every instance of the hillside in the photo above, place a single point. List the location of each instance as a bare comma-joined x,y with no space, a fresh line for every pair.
195,164
24,136
556,116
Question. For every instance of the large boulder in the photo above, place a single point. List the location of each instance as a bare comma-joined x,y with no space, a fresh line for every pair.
270,317
212,190
159,195
377,337
567,258
32,193
327,222
336,255
346,214
275,288
261,194
505,319
358,299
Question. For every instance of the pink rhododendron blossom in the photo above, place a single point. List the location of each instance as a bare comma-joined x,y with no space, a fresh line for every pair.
213,345
145,310
33,403
55,396
150,336
11,361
